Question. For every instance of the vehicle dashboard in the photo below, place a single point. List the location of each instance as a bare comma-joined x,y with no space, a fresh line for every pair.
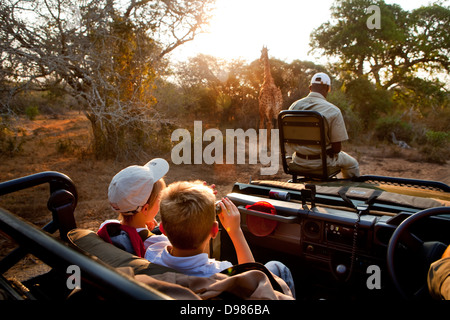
327,234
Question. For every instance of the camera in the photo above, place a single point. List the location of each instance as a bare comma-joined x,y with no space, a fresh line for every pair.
218,207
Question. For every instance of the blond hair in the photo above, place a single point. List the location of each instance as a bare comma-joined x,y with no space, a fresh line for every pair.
187,213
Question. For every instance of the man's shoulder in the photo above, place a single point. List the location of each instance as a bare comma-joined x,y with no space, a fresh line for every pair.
332,107
315,103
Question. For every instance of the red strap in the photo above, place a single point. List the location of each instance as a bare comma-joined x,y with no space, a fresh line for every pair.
133,235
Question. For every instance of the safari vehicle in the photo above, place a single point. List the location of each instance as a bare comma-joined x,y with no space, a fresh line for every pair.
372,237
332,235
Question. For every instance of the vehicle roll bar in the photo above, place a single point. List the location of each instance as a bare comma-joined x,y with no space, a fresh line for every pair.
62,201
59,256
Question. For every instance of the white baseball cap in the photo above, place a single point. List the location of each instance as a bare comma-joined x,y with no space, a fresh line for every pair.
321,78
130,188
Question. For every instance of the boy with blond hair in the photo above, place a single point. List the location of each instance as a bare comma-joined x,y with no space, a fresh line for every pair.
188,221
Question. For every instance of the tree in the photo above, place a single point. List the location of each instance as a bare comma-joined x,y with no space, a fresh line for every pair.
367,101
106,54
218,91
226,92
405,43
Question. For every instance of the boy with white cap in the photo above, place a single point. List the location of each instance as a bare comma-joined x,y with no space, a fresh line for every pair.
134,193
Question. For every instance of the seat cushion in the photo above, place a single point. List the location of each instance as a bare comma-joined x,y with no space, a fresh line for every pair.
89,242
252,284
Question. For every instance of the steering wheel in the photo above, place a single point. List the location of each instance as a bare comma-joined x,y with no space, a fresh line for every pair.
427,252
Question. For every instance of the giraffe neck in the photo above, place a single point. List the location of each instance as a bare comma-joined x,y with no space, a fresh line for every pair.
267,74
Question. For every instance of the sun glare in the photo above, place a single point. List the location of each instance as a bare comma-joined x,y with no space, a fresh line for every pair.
240,28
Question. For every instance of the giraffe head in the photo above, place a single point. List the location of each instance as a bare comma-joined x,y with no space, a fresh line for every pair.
264,54
264,59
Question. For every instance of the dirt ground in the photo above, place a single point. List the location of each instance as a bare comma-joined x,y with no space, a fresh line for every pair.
46,139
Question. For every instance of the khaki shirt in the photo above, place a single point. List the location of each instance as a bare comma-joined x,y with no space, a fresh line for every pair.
335,130
439,279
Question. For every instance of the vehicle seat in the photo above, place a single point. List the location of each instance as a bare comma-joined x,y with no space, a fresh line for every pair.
304,128
89,242
252,284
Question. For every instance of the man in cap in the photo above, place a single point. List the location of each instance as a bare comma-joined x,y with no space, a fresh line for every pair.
336,131
134,193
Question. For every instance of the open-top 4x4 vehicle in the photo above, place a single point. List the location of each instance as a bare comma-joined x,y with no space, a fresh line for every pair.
369,237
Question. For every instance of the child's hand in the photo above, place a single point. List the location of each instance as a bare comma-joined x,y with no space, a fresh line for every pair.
231,221
229,216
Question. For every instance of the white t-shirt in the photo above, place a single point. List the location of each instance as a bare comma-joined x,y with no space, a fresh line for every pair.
199,265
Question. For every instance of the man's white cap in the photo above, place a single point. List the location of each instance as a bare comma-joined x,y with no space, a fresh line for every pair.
130,189
321,78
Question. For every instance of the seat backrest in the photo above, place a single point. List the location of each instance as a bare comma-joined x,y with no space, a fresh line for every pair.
303,128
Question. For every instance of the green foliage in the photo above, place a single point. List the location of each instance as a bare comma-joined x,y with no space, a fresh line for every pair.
385,126
11,143
112,66
438,139
353,123
32,112
437,147
225,93
405,43
425,100
367,101
218,92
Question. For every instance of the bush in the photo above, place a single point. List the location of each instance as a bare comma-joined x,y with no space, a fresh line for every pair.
10,142
66,146
32,112
436,149
368,101
438,139
354,124
384,127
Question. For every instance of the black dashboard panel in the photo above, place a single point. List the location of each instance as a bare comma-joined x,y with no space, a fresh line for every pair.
332,238
302,231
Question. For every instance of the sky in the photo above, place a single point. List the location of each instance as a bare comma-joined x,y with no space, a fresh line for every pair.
240,28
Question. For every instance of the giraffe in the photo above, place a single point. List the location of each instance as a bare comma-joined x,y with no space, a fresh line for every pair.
270,97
